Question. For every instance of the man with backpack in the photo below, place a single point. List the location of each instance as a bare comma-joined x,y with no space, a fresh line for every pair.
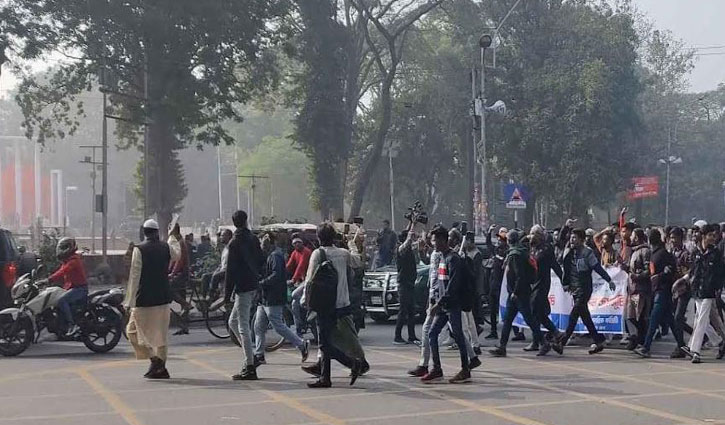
327,294
520,275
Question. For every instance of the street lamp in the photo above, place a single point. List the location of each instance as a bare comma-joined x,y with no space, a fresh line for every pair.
66,219
671,159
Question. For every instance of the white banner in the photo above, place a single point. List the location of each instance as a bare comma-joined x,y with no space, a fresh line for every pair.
605,305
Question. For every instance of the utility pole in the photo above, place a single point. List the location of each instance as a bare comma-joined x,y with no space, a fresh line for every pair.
474,192
219,180
104,181
253,178
484,42
146,174
91,160
391,150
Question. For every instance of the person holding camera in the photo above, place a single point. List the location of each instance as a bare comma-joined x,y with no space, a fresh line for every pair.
407,273
387,240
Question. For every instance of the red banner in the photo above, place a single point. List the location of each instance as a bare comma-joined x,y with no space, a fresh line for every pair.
644,187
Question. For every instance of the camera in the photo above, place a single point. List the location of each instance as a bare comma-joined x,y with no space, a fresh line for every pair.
416,214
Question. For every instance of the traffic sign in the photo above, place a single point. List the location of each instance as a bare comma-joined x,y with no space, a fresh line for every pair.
516,196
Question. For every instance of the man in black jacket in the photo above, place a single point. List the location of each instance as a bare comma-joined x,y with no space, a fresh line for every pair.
447,305
579,262
496,275
520,276
272,302
663,267
407,273
543,252
242,280
706,280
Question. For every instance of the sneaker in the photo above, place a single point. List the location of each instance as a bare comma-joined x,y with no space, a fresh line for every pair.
418,372
642,352
685,349
161,373
474,363
631,344
624,341
721,351
247,374
707,346
596,348
319,384
498,352
677,353
544,350
696,358
314,369
519,337
400,341
305,350
558,348
432,376
477,351
492,335
415,341
355,371
259,360
72,331
532,347
452,347
461,377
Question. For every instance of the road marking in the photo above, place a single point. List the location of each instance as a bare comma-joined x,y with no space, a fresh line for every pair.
609,401
111,398
274,395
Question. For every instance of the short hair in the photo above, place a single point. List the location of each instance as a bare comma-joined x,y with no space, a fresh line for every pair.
639,233
386,221
227,232
579,233
630,226
271,236
709,228
239,218
655,236
326,233
513,237
677,231
439,230
456,234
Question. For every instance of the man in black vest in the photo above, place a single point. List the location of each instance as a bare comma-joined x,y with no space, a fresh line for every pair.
148,297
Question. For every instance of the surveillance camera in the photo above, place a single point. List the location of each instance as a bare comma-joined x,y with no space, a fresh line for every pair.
485,41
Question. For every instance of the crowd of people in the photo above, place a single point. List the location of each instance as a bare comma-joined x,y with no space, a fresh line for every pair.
667,268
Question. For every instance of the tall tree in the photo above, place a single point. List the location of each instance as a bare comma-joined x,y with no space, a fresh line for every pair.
179,67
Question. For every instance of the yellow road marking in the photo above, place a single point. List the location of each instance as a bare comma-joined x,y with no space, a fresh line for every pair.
609,401
274,395
111,398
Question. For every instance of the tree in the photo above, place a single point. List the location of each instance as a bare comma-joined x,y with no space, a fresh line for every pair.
392,21
181,68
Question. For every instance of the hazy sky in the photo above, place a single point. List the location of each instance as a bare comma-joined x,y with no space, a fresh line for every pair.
699,23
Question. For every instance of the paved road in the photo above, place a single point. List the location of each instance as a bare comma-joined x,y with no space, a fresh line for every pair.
62,383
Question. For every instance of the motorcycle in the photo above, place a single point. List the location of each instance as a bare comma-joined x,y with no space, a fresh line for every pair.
100,320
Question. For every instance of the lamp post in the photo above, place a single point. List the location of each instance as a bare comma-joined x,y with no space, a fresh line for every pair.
484,43
66,218
671,159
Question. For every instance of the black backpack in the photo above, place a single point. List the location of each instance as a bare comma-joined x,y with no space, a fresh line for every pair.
321,293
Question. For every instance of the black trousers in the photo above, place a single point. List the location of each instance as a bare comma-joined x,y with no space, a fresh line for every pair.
326,323
680,314
541,309
513,307
493,300
581,311
406,315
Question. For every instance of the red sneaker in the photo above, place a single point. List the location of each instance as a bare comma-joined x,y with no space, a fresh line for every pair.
432,376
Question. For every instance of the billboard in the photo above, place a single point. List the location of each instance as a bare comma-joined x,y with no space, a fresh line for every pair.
644,187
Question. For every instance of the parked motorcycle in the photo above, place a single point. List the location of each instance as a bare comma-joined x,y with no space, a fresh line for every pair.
100,320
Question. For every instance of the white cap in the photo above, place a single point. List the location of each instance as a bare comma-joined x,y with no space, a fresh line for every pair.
151,224
590,232
700,224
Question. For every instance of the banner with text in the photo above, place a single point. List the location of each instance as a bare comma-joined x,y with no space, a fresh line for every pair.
605,305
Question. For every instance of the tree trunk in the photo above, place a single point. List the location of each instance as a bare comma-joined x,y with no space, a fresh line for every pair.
373,159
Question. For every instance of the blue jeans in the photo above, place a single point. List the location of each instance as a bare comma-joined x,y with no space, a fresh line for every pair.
661,315
300,322
273,315
439,322
73,296
239,324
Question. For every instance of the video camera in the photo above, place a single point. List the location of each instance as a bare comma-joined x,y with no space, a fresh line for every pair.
416,214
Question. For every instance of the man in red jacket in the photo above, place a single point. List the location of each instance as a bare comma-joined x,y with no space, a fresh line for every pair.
297,265
73,277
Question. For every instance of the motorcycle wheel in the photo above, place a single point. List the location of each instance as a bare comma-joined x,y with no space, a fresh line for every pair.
12,343
104,329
